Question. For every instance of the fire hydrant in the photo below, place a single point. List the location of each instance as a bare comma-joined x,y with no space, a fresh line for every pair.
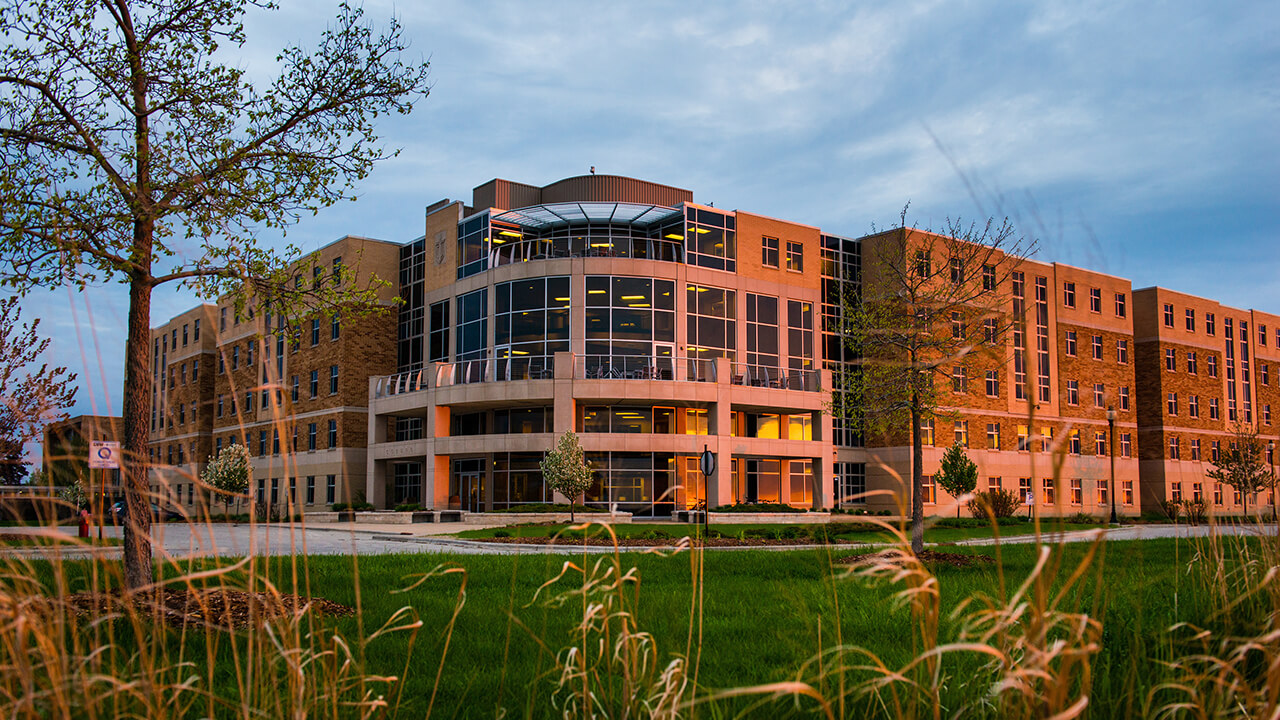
84,522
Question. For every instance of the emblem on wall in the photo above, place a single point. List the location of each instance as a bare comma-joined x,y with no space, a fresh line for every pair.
440,247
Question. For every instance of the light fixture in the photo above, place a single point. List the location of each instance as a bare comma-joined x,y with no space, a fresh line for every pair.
593,292
701,231
509,233
674,236
632,297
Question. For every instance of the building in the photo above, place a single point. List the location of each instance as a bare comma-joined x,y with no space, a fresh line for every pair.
656,327
65,452
1204,370
292,389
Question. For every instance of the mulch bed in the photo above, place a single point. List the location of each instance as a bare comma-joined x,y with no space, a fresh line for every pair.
217,607
928,557
650,542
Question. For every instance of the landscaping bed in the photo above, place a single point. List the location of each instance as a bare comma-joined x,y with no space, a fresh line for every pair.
221,608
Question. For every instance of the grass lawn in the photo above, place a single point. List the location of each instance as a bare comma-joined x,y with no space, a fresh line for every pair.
867,533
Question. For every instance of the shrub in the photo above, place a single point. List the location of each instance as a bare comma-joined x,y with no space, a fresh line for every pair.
1172,508
408,507
1081,518
339,507
1197,511
998,503
654,534
501,533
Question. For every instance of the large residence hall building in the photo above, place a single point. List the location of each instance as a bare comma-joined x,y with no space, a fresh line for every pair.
657,327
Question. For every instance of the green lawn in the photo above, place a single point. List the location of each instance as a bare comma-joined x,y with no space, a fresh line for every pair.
764,615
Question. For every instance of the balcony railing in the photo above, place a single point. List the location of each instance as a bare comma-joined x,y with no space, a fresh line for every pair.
594,367
774,377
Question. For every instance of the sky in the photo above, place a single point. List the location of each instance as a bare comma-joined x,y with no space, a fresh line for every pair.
1137,139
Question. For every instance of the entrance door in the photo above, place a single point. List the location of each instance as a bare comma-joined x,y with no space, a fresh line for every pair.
471,487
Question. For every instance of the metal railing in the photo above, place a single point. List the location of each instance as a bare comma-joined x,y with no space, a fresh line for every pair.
643,367
774,377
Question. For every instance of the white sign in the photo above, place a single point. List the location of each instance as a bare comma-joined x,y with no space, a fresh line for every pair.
104,455
1031,498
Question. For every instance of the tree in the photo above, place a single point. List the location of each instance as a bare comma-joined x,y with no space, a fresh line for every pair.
957,474
932,309
1241,466
136,150
566,470
229,474
30,396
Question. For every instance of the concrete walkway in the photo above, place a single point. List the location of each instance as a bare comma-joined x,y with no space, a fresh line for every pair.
181,540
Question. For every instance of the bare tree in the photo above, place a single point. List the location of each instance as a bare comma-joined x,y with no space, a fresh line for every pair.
133,153
934,308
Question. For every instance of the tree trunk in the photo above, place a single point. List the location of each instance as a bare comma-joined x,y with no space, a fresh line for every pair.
137,392
917,480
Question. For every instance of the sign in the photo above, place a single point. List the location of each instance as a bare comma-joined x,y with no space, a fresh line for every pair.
708,462
104,455
1031,498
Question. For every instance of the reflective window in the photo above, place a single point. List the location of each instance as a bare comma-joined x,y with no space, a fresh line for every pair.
762,330
473,325
517,480
630,321
473,246
438,344
711,239
711,324
531,324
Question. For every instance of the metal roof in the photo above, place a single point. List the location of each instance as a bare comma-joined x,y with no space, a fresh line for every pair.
581,213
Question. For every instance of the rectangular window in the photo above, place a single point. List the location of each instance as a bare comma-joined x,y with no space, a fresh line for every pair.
1215,451
1266,414
184,335
993,484
1264,374
957,326
1175,491
962,433
1069,294
1024,490
1172,403
769,252
1097,347
1095,300
1120,303
331,489
959,380
195,330
1217,493
1195,450
219,406
1126,445
1071,343
926,432
1073,442
1212,362
1099,395
222,319
988,277
235,358
1262,335
1193,405
993,436
1099,443
333,379
1073,392
1128,492
990,331
335,326
1209,324
315,384
311,489
993,383
1024,439
795,256
1174,449
1168,315
311,436
1191,362
1047,486
1101,487
1213,409
293,388
1122,351
315,332
1191,320
957,271
1170,360
1077,491
333,434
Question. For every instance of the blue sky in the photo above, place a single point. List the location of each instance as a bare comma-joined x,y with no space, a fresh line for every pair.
1139,139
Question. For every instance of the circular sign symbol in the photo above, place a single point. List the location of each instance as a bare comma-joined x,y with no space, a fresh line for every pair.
104,453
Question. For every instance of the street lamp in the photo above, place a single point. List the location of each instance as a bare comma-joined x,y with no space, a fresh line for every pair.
1111,438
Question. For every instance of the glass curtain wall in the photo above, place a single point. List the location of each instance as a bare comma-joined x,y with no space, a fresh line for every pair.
800,345
711,327
473,246
531,324
640,483
762,340
413,258
517,480
711,239
630,327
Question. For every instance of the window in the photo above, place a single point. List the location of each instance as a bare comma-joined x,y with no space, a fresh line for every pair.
962,432
1077,491
1024,490
1073,442
1217,493
311,436
957,271
1191,362
1212,362
1168,315
711,239
311,489
1097,347
769,252
957,325
1071,343
993,484
1170,360
1126,447
1101,488
1193,405
1024,439
333,434
959,381
1174,448
195,370
219,406
988,277
1047,486
262,443
195,330
1215,451
248,402
1264,374
333,379
1262,335
1172,403
1095,300
926,432
1120,302
1099,395
235,357
1195,450
795,256
1122,351
1209,324
923,265
222,319
330,489
1046,439
993,383
1213,408
762,330
293,388
1069,294
315,384
929,490
1191,320
335,326
315,331
1099,443
990,331
275,442
1175,491
993,436
1073,392
1266,414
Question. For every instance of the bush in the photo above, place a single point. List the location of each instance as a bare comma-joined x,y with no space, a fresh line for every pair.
408,507
654,534
339,507
1172,508
758,508
998,503
1197,511
501,533
1081,518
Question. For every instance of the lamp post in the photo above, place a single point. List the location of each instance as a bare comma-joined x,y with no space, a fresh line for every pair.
1111,438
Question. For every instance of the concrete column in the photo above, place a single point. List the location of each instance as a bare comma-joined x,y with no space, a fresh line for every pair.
564,413
719,421
375,485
